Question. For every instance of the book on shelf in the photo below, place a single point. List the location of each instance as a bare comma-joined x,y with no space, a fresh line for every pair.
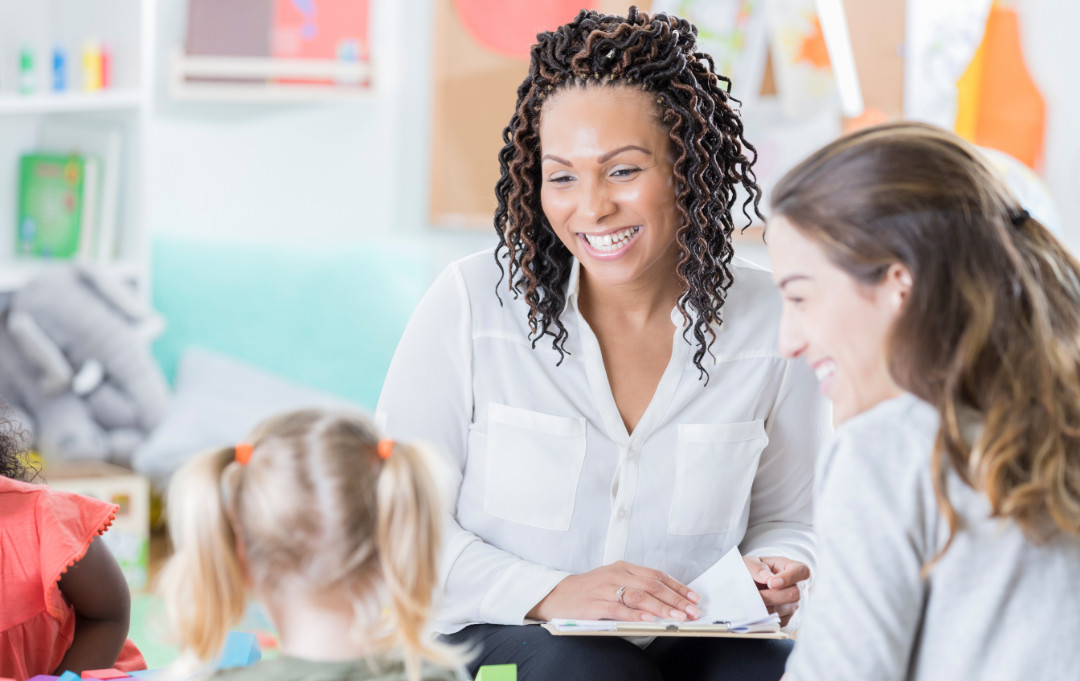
240,28
105,143
58,202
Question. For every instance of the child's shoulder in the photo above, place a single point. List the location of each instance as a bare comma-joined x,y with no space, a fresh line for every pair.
293,669
10,486
75,516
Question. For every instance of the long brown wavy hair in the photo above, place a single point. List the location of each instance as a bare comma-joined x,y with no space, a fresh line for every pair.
992,323
656,54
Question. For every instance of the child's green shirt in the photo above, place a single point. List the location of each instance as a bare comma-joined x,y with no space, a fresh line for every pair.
294,669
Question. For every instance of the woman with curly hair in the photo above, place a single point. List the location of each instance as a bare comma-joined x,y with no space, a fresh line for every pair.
608,391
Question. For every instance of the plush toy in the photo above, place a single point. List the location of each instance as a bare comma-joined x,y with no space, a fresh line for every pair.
76,366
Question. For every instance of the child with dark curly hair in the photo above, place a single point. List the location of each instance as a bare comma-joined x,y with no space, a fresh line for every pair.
65,603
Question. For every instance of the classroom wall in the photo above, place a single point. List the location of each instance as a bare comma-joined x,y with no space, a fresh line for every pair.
314,174
328,173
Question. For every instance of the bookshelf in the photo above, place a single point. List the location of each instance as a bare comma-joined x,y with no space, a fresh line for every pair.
126,27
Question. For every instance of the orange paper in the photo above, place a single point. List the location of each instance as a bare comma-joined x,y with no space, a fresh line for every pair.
999,105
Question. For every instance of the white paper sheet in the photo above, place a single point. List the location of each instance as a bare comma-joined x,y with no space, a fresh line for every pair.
729,594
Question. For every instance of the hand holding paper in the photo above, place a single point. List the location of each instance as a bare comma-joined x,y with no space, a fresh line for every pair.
778,583
729,598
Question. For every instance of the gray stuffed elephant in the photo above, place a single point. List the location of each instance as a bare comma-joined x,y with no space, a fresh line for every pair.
76,366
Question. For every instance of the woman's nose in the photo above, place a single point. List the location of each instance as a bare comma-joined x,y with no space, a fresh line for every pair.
791,341
596,202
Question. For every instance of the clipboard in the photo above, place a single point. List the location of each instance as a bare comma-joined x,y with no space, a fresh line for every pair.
636,630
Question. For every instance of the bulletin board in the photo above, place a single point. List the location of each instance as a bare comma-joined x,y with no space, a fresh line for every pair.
475,91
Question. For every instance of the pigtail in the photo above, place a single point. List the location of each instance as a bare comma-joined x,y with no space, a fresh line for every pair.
203,582
409,534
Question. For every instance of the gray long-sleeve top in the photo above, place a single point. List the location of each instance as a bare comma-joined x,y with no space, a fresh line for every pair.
996,606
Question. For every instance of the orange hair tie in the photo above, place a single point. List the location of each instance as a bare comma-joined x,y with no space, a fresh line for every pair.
386,448
243,452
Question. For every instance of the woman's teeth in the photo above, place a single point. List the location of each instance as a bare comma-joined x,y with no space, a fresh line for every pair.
824,370
612,242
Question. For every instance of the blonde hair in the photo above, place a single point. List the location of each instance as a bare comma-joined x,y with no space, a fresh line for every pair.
316,503
992,323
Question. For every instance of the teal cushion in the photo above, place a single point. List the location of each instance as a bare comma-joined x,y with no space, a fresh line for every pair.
328,317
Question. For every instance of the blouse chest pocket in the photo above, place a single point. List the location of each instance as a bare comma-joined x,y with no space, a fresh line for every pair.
533,464
715,466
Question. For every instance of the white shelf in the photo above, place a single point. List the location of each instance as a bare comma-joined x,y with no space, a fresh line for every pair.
270,93
14,274
350,81
103,100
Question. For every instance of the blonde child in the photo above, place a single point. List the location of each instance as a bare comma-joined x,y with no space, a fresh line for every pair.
325,525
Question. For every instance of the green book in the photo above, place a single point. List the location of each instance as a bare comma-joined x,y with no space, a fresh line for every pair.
57,205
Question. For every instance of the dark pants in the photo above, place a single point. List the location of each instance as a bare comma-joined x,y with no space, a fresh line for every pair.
542,657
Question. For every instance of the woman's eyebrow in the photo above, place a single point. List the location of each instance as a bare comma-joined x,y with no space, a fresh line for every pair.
787,280
563,161
629,147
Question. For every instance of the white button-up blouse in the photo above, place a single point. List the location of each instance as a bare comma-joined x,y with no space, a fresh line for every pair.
546,480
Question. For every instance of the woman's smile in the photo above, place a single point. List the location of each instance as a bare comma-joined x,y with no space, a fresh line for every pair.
825,370
610,245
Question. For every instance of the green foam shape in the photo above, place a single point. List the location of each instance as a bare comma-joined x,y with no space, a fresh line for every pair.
497,672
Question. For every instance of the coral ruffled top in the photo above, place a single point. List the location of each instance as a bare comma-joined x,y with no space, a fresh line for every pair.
43,532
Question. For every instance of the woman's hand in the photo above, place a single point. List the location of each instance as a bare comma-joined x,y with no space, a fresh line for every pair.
594,595
778,581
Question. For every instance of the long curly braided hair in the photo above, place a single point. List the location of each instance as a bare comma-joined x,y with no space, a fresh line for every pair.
655,54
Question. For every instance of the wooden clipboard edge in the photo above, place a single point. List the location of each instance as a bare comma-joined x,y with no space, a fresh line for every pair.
640,634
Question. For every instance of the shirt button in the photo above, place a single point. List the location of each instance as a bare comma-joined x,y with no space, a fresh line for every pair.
622,514
631,456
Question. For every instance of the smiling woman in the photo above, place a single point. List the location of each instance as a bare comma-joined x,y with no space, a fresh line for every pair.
944,321
597,476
